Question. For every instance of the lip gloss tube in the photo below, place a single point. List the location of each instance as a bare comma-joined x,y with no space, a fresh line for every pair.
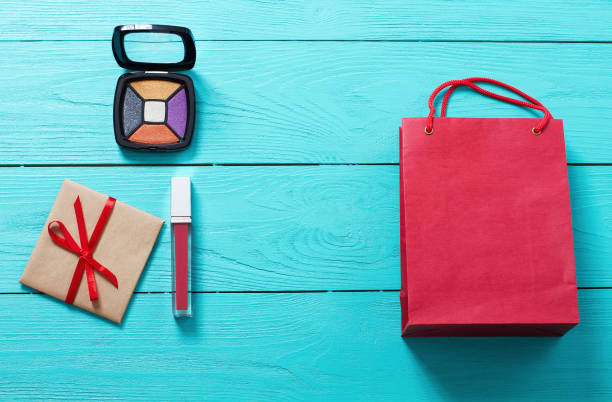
180,222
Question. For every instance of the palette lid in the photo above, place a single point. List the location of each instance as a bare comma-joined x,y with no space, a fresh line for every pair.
124,61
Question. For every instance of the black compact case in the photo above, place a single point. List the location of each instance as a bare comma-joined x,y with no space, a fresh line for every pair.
154,108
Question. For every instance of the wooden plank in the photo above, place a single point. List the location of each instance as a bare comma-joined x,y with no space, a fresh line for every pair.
549,20
276,228
590,189
332,346
295,102
255,228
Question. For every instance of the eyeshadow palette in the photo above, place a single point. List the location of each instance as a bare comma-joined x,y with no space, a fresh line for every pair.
154,110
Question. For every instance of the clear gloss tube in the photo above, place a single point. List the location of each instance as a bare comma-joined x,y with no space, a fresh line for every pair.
180,223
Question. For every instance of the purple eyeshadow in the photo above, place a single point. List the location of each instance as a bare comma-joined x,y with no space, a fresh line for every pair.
177,113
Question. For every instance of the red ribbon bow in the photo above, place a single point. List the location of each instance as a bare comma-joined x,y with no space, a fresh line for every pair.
86,261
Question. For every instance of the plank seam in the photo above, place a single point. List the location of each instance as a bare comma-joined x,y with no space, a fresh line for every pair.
42,165
280,291
603,42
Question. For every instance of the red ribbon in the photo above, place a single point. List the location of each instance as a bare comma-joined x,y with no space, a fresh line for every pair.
86,261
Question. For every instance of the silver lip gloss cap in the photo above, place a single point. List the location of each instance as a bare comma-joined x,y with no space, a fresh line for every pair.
180,199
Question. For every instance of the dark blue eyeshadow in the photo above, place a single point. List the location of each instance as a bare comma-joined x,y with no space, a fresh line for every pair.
132,111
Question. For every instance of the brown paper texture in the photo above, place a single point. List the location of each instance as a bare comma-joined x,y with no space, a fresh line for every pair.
124,247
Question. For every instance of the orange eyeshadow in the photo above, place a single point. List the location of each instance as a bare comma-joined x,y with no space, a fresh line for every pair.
155,89
154,134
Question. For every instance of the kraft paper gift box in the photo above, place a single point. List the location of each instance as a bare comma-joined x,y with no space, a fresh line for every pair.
97,271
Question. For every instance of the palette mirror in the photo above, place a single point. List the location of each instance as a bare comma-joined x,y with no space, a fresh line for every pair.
154,47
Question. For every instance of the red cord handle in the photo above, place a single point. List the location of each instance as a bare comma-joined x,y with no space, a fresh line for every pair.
469,82
450,90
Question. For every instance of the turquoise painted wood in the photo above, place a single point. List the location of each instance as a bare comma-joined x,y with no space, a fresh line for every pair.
296,102
255,228
288,83
276,227
323,346
549,20
298,228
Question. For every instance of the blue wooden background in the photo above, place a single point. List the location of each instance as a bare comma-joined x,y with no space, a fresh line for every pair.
294,164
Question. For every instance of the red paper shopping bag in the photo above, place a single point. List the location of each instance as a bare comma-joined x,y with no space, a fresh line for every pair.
486,230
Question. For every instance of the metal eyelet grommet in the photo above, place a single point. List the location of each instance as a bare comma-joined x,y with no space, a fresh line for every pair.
429,132
533,130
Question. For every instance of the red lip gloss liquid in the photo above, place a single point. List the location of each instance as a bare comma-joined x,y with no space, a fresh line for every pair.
180,222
